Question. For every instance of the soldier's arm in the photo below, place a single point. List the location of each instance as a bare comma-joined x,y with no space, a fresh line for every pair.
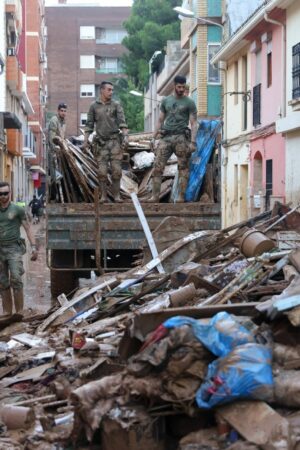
30,236
52,132
121,120
89,126
161,119
194,126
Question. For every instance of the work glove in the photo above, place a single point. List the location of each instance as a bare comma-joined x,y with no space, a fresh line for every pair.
192,147
85,147
34,253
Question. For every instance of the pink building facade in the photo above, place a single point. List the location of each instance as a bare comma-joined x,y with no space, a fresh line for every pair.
267,149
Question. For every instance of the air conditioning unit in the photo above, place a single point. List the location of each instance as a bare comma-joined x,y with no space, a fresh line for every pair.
11,51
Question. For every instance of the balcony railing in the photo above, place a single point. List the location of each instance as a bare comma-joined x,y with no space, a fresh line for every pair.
296,71
107,70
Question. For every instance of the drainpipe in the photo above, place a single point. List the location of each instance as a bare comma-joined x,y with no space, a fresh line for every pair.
224,150
283,55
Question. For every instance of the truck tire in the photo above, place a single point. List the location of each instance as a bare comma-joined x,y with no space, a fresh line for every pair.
62,282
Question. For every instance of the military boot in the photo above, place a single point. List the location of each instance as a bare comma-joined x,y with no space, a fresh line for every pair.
103,188
19,299
116,191
156,183
7,301
182,183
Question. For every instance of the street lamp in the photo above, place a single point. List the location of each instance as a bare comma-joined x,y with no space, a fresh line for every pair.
140,94
190,15
153,57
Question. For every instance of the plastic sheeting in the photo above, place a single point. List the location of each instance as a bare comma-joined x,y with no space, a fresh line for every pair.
206,139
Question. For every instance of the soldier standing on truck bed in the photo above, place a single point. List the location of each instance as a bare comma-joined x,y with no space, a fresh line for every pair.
176,111
108,116
12,249
56,128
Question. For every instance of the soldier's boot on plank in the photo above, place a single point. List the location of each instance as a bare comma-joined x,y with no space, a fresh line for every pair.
156,184
182,183
116,191
7,303
103,189
18,299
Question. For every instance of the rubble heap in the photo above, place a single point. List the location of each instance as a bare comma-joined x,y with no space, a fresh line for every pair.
204,355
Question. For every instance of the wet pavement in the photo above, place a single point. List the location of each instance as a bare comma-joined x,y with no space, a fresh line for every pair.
37,275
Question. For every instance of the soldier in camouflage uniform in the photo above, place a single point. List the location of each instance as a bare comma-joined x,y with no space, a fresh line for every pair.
176,112
56,128
12,249
108,118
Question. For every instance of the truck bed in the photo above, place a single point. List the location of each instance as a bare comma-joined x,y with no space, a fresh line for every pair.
72,226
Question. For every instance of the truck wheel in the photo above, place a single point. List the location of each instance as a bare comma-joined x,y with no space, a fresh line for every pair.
62,282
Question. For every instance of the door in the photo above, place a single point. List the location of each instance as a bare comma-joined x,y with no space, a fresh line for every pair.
243,192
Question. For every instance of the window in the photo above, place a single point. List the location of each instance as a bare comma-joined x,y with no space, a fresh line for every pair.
269,64
87,90
87,62
258,67
107,36
296,71
109,65
213,75
236,82
269,182
87,32
83,119
256,104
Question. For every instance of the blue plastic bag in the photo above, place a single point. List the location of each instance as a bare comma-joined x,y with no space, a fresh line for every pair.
246,373
221,334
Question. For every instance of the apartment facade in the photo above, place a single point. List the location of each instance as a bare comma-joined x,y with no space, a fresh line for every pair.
203,40
83,49
289,124
253,154
19,147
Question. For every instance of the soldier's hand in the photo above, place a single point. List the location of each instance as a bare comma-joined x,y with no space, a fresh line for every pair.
125,142
192,147
57,149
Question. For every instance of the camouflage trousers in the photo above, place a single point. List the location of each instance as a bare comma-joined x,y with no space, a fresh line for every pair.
178,144
109,153
11,265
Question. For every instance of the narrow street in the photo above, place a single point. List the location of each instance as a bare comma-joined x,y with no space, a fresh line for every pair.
37,274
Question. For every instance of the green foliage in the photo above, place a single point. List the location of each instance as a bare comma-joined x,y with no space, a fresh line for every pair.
133,106
151,24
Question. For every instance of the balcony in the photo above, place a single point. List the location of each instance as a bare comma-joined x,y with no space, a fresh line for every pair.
14,9
14,142
14,76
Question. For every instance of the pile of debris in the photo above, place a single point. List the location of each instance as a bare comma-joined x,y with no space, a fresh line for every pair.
77,180
202,355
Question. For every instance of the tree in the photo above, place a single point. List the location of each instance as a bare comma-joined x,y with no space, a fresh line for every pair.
133,106
151,24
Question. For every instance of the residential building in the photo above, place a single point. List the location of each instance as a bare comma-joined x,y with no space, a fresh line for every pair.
83,49
253,155
203,40
289,124
36,63
19,163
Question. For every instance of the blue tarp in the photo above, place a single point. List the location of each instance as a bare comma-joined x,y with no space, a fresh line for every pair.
206,138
